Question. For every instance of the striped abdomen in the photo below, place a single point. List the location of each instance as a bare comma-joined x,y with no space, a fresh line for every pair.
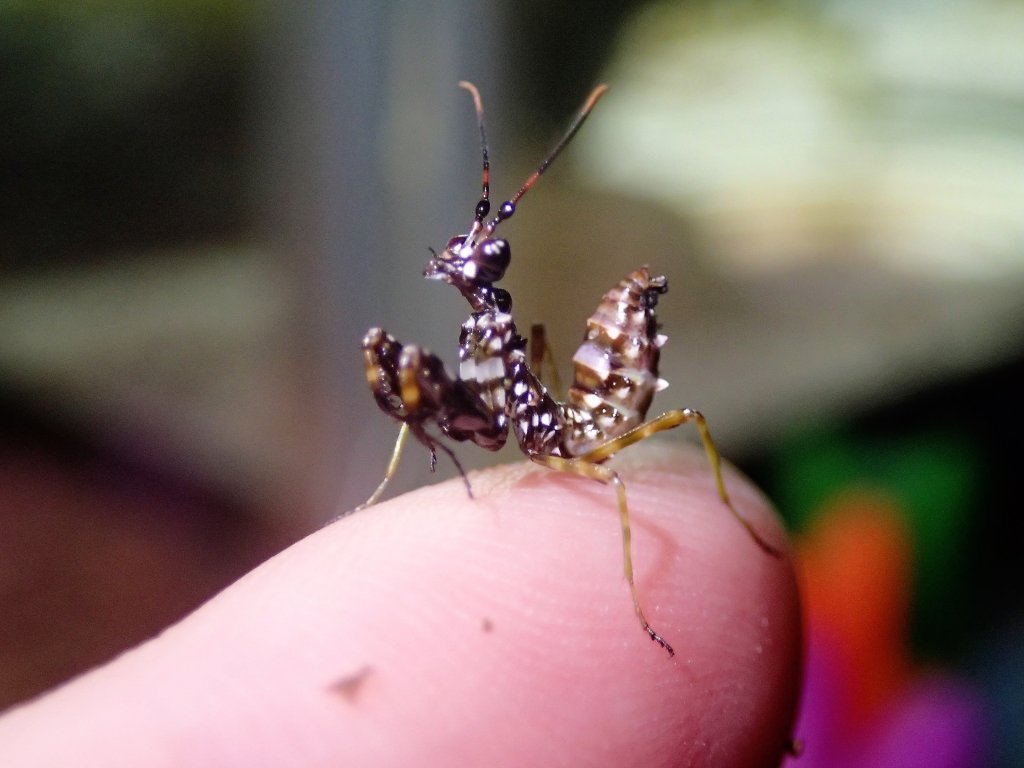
616,367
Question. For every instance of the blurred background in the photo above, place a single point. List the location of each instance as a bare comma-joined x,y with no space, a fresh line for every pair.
207,202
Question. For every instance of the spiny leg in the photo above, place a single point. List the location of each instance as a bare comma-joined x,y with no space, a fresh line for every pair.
389,473
670,420
608,476
540,353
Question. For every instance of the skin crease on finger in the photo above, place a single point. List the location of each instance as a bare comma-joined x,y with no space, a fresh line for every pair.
434,629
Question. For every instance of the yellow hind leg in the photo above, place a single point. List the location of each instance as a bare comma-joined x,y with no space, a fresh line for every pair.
671,420
580,466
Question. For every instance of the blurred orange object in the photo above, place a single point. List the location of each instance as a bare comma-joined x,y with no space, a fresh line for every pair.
855,566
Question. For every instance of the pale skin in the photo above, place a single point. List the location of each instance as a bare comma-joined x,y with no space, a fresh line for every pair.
435,629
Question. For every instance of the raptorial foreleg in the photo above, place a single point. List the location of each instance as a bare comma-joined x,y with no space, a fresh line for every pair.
411,385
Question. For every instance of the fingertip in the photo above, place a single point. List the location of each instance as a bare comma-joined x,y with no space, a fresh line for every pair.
540,560
436,629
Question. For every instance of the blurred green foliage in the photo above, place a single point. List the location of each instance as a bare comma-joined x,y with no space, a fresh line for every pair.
934,476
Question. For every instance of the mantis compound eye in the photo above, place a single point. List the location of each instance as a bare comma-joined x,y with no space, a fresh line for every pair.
492,260
482,265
